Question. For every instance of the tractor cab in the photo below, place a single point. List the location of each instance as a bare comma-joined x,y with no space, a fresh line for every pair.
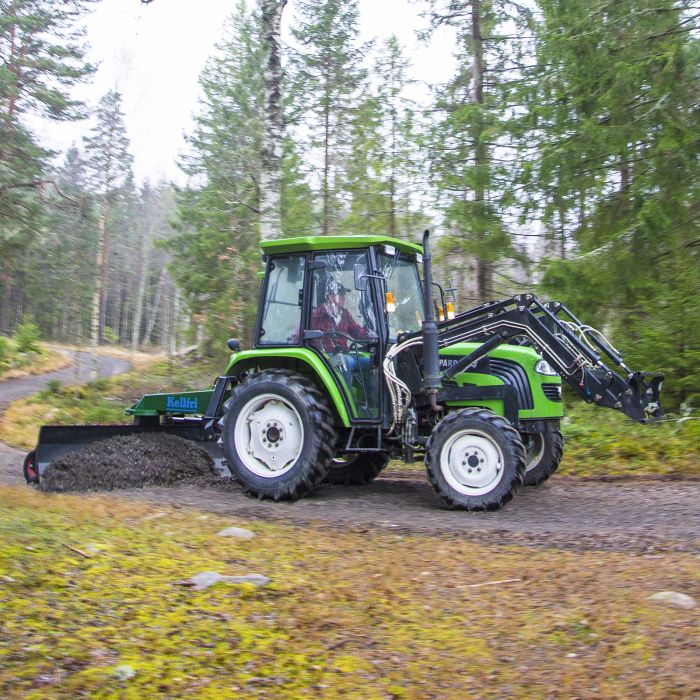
346,299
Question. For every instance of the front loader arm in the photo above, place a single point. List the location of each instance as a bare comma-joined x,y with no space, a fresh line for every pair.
575,350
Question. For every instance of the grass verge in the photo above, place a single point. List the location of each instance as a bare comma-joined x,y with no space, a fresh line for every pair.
600,442
99,402
92,608
39,361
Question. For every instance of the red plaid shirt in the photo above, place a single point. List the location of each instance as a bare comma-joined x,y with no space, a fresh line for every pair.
342,322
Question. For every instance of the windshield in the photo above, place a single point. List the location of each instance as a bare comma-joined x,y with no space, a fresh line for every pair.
403,282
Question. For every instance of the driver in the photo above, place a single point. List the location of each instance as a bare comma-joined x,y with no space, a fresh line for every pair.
332,317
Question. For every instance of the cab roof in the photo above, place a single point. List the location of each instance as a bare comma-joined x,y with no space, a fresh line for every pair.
304,244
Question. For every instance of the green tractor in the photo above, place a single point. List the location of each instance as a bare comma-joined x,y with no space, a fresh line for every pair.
358,361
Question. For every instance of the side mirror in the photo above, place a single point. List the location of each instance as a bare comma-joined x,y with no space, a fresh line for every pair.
361,276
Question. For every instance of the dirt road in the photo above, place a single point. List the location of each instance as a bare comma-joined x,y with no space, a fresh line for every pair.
642,515
24,386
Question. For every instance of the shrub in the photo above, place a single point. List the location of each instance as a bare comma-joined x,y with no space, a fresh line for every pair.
27,338
53,386
5,349
111,336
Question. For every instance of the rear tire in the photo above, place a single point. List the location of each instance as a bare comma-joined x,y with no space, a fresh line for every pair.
356,469
277,435
29,468
544,453
475,460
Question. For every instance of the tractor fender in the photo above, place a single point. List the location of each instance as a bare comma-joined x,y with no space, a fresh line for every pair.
300,360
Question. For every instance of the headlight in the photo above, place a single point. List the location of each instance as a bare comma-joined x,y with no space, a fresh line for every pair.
543,367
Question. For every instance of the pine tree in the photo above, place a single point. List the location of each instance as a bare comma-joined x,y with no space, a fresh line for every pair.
383,179
42,59
328,78
109,163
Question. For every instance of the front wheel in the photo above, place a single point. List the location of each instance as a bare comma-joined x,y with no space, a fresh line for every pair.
544,453
475,460
277,435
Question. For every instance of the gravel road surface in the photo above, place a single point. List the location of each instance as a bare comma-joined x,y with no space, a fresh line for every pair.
638,515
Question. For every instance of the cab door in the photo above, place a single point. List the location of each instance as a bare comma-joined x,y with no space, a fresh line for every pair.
343,325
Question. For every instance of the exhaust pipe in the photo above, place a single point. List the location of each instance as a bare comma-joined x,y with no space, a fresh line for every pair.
431,360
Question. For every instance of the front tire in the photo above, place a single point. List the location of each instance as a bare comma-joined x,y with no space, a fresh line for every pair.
544,453
277,435
475,460
356,469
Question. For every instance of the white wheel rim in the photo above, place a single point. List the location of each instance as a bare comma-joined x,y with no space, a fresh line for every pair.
535,450
472,463
269,435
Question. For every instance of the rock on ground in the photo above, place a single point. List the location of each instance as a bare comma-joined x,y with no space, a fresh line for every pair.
128,461
679,600
239,532
205,579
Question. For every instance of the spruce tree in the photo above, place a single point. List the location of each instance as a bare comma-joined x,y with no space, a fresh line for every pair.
216,245
617,110
470,171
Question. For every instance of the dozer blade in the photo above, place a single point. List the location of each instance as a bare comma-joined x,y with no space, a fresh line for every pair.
58,440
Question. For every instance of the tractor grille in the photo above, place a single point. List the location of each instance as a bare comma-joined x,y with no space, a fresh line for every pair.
552,391
513,374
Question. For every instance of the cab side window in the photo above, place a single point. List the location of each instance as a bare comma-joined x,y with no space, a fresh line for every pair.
281,318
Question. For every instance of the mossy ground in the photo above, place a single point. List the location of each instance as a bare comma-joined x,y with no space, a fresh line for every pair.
358,614
599,442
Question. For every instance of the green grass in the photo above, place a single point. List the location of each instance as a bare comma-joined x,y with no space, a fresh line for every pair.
353,614
601,442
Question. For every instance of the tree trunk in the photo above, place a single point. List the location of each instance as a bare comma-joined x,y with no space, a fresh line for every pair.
5,304
104,276
175,322
138,313
483,266
97,293
271,161
154,309
326,166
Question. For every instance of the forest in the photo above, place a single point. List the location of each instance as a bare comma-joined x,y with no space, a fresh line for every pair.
561,158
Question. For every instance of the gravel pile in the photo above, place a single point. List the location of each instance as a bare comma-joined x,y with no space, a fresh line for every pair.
129,461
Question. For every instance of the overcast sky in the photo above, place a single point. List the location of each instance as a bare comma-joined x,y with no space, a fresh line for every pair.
154,53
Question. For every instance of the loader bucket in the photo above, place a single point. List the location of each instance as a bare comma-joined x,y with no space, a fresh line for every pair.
58,440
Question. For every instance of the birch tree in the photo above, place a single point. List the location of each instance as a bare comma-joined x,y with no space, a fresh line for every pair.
273,132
